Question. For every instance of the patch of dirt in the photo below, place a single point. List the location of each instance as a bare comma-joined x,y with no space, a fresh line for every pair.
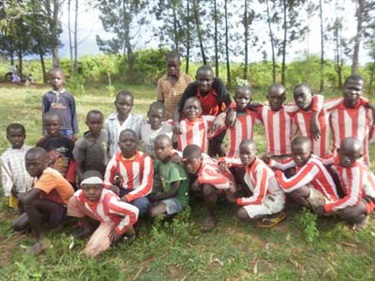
176,273
7,245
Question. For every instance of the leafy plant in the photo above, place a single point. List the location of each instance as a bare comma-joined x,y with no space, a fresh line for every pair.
308,224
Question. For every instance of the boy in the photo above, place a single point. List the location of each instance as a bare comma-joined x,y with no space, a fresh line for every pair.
15,178
90,152
46,202
62,102
312,185
130,172
358,183
213,97
174,196
352,118
195,127
94,202
172,85
267,200
122,119
59,147
155,126
206,180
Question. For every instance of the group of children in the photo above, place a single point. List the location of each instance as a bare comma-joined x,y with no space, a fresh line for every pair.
127,167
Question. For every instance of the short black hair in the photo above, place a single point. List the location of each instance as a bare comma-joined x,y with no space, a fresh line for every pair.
353,77
50,114
157,105
56,69
130,131
124,93
172,55
94,111
205,68
163,137
192,150
16,126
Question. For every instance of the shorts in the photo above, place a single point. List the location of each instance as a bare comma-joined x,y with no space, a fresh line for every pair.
271,205
316,198
173,206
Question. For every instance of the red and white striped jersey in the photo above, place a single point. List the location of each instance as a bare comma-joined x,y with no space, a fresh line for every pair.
109,208
135,174
195,132
243,128
259,178
279,128
313,172
209,173
357,181
352,122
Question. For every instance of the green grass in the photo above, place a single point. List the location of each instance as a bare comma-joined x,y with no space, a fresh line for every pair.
179,251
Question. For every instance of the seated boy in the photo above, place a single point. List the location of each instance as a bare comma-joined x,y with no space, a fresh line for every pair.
130,172
90,152
14,176
206,179
155,126
358,184
266,200
59,147
312,185
92,201
46,202
122,119
174,196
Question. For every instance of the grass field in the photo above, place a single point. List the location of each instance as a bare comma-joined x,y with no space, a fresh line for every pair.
300,248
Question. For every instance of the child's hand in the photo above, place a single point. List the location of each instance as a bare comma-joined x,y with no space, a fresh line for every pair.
266,158
195,185
177,128
231,118
222,166
230,196
114,236
314,129
176,159
115,189
123,199
14,191
152,198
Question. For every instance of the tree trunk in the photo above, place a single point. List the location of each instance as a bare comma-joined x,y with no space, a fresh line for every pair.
42,63
321,46
187,36
371,77
175,27
75,68
216,40
200,38
229,80
272,43
357,39
54,28
285,27
246,39
70,38
20,71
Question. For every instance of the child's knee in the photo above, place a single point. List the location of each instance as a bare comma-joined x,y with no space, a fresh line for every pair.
242,214
208,191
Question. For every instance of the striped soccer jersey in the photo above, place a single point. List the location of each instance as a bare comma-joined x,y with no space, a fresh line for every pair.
135,174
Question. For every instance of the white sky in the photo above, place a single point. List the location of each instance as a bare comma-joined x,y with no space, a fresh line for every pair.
90,25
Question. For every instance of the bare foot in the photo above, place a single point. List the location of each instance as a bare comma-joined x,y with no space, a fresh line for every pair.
362,224
38,247
208,223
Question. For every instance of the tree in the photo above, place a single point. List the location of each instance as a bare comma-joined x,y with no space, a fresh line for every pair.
197,21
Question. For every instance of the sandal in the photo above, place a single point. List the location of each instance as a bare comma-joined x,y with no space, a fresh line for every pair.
208,224
269,222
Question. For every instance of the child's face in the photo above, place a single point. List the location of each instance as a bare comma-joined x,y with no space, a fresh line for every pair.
242,98
128,144
124,104
248,154
192,109
347,156
204,79
16,137
57,80
53,124
35,164
92,191
301,154
302,97
173,66
276,99
162,149
192,164
155,117
95,123
352,92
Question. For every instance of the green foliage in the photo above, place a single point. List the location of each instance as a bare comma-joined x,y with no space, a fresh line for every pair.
76,84
308,223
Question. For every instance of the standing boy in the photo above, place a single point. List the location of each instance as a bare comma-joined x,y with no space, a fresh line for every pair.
172,85
46,202
90,152
59,100
14,176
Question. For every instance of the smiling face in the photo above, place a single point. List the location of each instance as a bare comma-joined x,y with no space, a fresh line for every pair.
276,97
248,152
352,92
16,136
301,152
242,98
52,124
57,79
302,97
124,104
92,191
204,79
192,109
95,123
128,143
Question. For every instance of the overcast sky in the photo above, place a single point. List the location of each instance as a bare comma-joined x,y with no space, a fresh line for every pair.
90,25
